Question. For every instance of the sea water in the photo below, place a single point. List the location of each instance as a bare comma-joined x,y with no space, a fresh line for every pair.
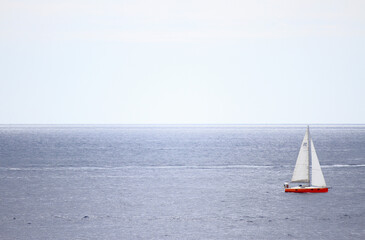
177,182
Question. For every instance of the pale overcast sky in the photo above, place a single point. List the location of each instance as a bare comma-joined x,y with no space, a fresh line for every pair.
182,62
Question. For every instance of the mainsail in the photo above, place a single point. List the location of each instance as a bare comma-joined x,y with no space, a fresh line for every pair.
317,175
301,170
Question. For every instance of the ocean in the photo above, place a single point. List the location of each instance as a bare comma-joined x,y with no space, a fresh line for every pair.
177,182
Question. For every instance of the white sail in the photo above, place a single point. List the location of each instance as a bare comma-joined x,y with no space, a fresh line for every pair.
317,175
301,170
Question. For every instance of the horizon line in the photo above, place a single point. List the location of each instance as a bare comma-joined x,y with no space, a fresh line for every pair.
176,124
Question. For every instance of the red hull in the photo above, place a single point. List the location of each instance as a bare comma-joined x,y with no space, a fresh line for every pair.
305,190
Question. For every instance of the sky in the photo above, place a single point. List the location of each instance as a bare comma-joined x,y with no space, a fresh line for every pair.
182,62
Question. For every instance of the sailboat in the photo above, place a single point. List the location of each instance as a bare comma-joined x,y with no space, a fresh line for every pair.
307,157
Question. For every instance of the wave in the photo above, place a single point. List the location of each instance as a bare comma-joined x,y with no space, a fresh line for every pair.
94,168
343,165
213,166
131,167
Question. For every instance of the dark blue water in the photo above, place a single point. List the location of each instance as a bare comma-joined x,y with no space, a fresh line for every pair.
177,182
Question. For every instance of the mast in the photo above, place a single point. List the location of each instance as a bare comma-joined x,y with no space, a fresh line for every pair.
309,154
